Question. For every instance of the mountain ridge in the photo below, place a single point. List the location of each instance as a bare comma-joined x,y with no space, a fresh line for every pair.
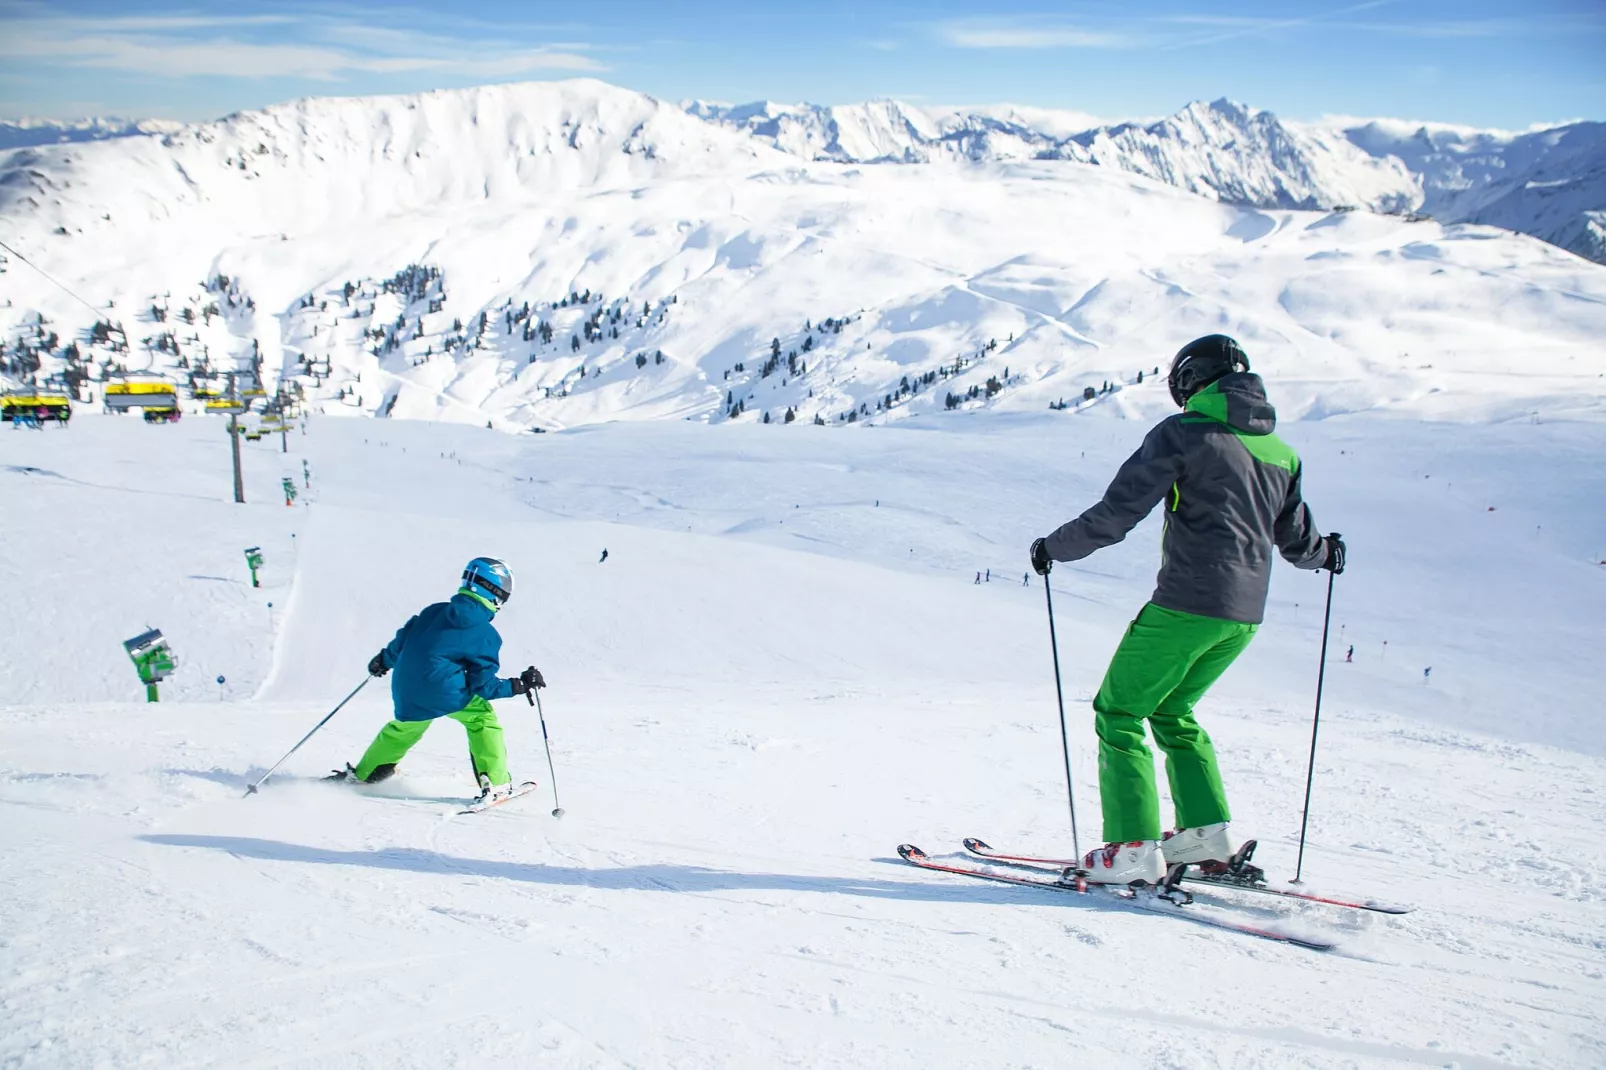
1549,182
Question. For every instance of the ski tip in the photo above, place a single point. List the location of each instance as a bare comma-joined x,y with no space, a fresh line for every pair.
1310,945
910,853
973,844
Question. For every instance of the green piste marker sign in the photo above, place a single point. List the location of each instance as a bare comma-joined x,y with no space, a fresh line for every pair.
152,659
253,561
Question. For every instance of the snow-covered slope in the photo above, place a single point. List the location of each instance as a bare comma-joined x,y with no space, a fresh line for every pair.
804,646
581,254
783,670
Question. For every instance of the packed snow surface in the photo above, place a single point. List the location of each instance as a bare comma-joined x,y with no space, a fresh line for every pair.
784,668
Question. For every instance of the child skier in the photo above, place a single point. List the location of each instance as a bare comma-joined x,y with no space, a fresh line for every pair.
446,662
1231,490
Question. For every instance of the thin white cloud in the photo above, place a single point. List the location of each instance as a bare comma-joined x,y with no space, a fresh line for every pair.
1192,30
320,48
1022,32
1254,27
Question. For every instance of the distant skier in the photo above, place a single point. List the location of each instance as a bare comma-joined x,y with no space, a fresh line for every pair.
1025,579
604,556
446,660
1349,655
1426,673
978,579
1231,490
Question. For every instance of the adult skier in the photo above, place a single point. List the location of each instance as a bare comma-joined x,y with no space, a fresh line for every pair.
446,660
1231,491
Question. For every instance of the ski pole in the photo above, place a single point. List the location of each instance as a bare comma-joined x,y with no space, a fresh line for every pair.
1065,739
252,790
535,700
1310,773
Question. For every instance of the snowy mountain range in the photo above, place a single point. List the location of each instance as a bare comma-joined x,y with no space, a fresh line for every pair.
1549,183
24,133
551,254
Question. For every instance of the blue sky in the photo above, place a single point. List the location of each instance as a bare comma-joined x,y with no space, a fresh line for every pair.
1505,64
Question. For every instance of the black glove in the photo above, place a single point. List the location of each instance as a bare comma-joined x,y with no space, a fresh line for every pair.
1335,553
527,681
377,666
1040,562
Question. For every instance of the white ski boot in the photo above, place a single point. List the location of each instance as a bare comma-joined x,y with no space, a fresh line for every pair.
1198,845
490,793
1139,861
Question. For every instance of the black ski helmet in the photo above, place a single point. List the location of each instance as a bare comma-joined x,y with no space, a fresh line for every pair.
1201,362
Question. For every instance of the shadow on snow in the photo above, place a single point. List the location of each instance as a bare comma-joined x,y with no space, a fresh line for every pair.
658,877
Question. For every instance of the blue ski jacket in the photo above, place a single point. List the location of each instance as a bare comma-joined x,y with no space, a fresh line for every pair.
444,657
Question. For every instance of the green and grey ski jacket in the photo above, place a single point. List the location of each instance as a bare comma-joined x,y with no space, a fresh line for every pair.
1231,492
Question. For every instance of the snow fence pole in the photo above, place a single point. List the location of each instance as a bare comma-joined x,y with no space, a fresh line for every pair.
252,790
1065,739
535,700
1310,772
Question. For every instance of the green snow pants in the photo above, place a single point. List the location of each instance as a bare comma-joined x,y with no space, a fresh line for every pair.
1165,663
485,747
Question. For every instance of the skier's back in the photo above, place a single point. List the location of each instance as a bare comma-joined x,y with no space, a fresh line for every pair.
446,659
1231,491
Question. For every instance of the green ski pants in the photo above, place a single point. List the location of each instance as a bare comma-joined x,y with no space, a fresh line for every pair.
485,746
1165,663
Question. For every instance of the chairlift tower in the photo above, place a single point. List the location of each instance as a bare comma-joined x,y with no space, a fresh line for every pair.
234,440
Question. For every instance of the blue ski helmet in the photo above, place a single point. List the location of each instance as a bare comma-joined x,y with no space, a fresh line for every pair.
490,579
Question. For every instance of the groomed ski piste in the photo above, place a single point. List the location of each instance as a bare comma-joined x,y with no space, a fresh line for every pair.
783,669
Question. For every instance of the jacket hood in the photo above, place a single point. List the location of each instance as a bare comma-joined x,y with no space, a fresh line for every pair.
1237,400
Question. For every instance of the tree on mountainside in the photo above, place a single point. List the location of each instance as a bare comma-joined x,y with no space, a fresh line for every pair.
574,343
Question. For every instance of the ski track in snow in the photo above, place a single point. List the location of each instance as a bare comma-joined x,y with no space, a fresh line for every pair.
782,670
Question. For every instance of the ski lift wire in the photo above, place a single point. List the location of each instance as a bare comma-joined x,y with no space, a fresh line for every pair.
55,282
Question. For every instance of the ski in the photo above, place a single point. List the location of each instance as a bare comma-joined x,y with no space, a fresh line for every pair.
483,805
1236,876
1165,899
